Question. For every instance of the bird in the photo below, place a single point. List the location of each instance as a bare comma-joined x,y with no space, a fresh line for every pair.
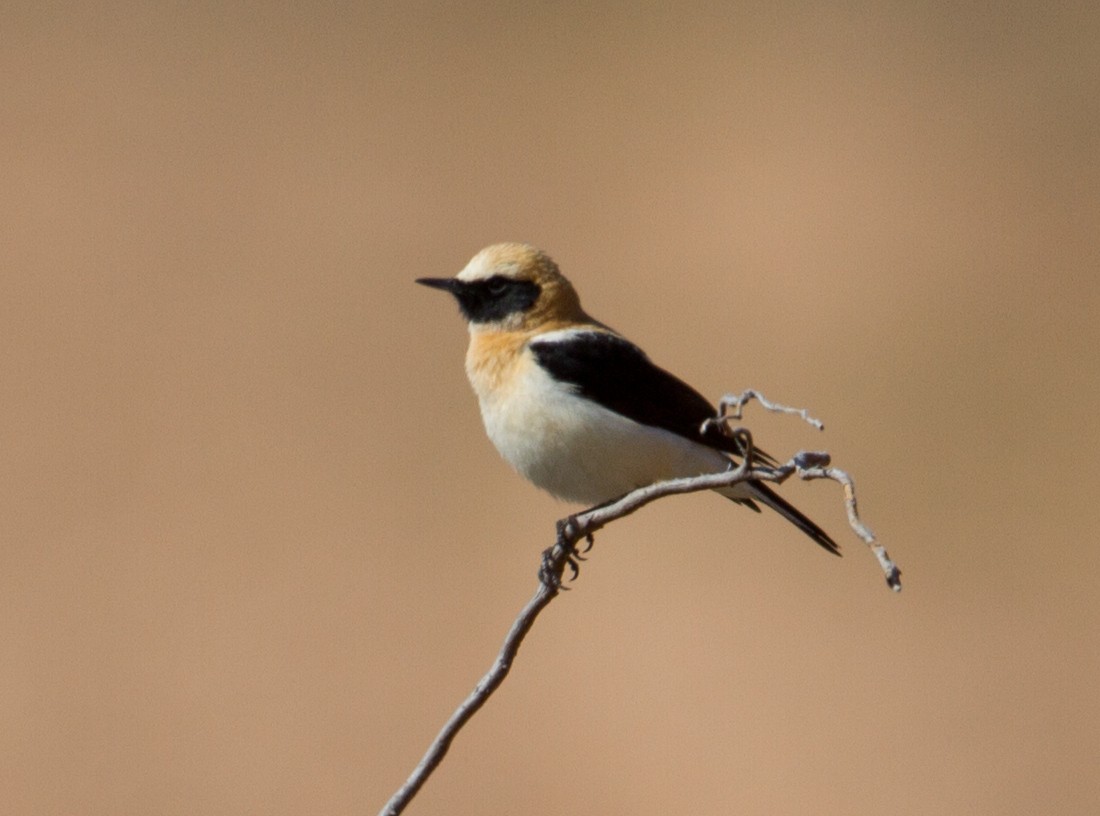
574,406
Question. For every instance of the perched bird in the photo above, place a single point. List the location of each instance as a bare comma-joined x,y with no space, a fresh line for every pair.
575,407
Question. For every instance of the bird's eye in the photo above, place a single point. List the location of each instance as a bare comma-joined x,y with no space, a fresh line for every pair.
497,286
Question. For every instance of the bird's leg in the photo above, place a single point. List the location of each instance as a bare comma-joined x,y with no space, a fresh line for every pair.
549,575
569,530
563,553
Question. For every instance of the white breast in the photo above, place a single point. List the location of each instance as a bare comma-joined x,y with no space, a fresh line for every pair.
576,449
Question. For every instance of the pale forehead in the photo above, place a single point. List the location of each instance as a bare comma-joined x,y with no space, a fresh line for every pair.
509,260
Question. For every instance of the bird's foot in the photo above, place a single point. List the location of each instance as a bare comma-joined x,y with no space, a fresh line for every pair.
564,553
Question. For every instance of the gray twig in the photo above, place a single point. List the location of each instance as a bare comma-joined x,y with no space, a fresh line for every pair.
738,403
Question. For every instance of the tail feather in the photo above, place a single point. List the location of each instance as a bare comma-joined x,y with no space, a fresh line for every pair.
765,495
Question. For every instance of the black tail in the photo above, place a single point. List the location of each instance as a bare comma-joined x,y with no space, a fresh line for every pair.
765,495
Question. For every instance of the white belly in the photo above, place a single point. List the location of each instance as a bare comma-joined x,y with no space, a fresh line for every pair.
579,451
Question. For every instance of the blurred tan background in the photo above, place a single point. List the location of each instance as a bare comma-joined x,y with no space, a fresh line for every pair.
255,548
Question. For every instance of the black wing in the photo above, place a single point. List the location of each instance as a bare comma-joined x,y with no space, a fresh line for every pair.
615,373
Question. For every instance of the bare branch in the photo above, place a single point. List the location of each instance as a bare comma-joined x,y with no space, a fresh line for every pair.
808,465
478,697
738,403
893,573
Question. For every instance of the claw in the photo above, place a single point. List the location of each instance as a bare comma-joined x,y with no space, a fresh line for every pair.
567,529
547,574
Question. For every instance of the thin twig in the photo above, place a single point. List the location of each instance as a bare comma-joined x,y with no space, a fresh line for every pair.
738,403
807,465
478,697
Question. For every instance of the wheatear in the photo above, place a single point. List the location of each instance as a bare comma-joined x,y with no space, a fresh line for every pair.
572,405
